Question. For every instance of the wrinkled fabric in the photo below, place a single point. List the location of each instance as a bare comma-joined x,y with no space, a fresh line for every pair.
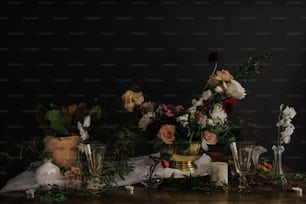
26,179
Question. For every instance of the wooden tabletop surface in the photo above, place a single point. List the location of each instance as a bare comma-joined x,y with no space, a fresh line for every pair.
168,196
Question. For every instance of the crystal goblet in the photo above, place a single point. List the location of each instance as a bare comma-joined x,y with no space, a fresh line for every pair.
95,156
242,154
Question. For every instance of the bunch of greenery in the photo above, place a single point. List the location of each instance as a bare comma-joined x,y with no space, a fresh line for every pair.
63,120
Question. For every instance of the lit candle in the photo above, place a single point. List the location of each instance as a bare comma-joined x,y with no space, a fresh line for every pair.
219,173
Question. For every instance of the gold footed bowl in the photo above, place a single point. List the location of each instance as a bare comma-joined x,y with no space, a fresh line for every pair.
183,156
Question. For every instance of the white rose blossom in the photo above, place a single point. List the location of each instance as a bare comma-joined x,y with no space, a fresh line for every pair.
235,89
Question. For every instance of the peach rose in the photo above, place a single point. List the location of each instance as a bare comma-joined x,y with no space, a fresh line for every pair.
131,99
214,81
166,134
209,138
224,75
220,78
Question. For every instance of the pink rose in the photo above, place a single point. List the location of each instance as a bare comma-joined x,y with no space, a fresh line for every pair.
209,138
166,134
74,174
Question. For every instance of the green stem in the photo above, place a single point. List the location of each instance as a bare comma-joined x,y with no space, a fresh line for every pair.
191,137
213,72
278,127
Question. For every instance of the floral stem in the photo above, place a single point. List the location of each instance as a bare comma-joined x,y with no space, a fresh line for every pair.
191,137
279,127
213,72
215,68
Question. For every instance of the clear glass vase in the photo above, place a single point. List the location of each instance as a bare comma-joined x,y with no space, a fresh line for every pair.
278,176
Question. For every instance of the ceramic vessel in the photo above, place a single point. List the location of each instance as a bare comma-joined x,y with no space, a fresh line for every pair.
64,150
48,173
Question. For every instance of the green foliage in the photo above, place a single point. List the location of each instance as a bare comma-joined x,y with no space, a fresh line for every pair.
57,122
251,66
124,145
63,120
190,183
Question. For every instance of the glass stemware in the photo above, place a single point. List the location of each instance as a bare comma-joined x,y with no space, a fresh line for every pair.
95,156
242,154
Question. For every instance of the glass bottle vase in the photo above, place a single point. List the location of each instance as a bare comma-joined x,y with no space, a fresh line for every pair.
278,176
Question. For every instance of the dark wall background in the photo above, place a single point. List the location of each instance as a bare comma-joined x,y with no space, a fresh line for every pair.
72,51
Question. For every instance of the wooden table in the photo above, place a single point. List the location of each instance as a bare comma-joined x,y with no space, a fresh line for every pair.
169,196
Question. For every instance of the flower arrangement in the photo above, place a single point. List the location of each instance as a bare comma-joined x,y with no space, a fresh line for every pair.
74,119
284,126
206,120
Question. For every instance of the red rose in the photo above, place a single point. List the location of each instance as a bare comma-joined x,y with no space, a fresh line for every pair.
228,105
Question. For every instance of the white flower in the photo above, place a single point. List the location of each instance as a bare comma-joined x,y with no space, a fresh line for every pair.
286,134
206,94
289,113
146,120
202,121
235,90
86,122
83,133
81,147
219,89
288,131
284,123
183,119
192,109
210,122
196,103
218,115
285,140
285,127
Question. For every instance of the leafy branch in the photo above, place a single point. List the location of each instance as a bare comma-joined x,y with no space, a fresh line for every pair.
251,66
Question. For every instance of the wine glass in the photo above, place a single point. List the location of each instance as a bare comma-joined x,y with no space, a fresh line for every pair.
95,156
242,154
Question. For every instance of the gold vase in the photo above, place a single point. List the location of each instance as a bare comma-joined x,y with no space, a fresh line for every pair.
183,155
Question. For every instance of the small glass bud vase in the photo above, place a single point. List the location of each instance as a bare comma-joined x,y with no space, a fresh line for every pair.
278,176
